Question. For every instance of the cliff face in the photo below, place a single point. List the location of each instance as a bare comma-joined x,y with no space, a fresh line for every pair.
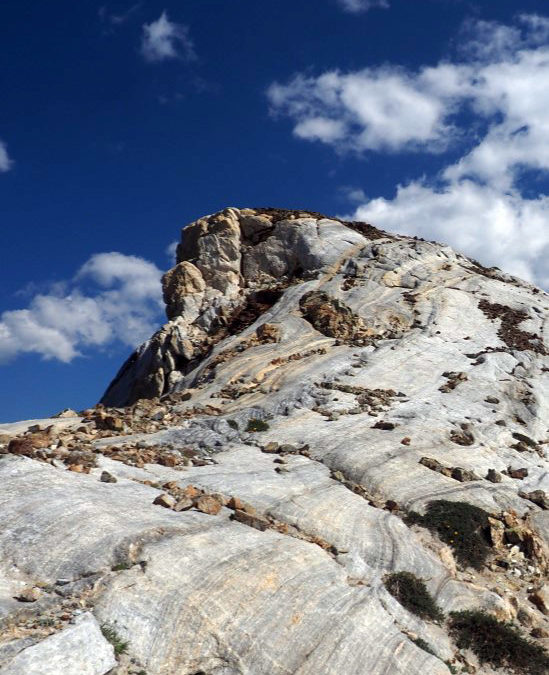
231,268
278,449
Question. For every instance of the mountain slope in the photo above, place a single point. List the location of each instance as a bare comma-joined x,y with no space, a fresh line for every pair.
319,384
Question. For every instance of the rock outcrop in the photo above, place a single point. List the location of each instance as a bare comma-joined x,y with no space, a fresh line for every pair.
260,467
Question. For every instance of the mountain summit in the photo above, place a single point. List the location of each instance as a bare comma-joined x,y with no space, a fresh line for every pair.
331,460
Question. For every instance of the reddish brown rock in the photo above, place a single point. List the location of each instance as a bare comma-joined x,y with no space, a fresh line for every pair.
165,500
208,504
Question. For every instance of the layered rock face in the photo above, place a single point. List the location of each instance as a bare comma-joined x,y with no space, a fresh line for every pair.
260,467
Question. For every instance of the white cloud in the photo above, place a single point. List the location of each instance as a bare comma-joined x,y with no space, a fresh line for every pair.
372,109
171,252
491,104
162,40
355,6
5,161
499,229
112,298
117,19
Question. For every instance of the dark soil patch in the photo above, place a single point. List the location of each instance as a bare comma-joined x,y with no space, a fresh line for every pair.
509,332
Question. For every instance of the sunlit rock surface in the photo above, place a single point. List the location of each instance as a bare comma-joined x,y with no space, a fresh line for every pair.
236,503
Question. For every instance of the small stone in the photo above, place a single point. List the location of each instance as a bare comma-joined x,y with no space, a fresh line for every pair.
538,497
463,437
191,492
434,465
28,595
21,446
497,532
183,504
165,500
518,474
66,412
167,460
386,426
109,423
235,503
540,599
494,476
268,332
492,399
78,468
107,477
406,440
207,504
463,475
257,522
221,498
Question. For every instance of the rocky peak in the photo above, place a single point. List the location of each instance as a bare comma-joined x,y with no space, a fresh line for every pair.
235,265
231,267
337,441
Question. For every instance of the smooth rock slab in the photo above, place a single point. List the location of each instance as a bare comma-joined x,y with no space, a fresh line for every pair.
79,649
255,603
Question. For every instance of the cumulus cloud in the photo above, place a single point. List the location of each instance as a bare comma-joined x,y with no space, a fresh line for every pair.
112,298
489,104
500,229
355,6
376,109
5,161
163,40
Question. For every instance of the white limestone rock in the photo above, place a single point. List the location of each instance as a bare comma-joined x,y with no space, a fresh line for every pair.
79,649
362,354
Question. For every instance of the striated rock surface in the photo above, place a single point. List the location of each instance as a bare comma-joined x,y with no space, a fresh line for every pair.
260,465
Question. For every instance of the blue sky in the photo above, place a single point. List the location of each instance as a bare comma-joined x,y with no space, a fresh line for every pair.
120,122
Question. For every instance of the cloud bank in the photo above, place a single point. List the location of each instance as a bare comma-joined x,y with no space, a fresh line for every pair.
163,40
112,298
488,105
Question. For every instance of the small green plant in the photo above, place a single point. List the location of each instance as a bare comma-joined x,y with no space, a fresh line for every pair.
121,566
420,642
462,526
498,643
110,634
256,424
233,424
412,594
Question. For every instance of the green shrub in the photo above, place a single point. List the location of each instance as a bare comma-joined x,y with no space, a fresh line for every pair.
412,594
497,643
256,424
121,566
110,634
462,526
233,424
